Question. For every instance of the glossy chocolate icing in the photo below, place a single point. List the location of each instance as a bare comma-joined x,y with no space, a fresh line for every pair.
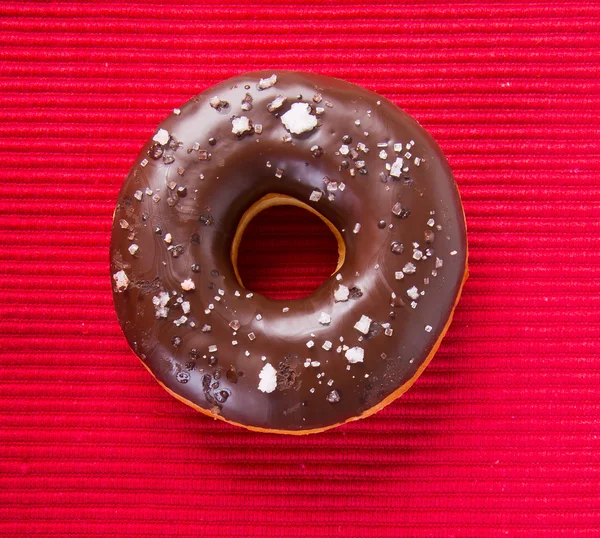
402,224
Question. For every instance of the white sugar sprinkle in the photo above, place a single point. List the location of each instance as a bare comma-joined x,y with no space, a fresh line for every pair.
268,379
327,345
188,285
355,354
180,321
363,324
397,167
315,196
428,328
212,349
298,119
240,125
310,344
324,318
413,293
265,83
356,228
341,294
409,268
121,280
162,137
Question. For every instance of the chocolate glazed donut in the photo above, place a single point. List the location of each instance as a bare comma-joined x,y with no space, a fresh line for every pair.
376,178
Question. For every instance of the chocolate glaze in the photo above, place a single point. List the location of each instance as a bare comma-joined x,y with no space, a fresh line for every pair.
203,177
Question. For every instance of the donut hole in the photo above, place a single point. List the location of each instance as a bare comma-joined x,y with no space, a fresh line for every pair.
286,252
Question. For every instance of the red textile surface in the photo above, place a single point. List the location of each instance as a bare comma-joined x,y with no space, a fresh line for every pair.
501,435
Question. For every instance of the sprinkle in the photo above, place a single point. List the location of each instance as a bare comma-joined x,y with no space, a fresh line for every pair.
324,319
121,280
417,161
285,309
383,154
168,239
363,325
399,275
263,358
398,147
268,379
397,167
188,285
162,137
218,103
133,249
362,147
138,195
428,328
333,397
298,119
327,345
315,364
279,173
206,328
258,128
342,186
417,254
249,295
251,337
413,293
212,349
237,293
344,149
265,83
453,253
338,277
396,247
389,332
185,307
240,125
310,344
258,317
234,342
276,103
247,353
235,324
180,321
357,122
356,228
341,294
409,268
355,354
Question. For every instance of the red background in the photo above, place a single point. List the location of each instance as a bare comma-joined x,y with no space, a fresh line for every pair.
501,435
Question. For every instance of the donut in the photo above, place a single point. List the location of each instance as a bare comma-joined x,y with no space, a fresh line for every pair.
369,171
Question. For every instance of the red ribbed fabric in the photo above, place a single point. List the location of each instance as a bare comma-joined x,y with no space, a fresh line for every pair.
500,436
